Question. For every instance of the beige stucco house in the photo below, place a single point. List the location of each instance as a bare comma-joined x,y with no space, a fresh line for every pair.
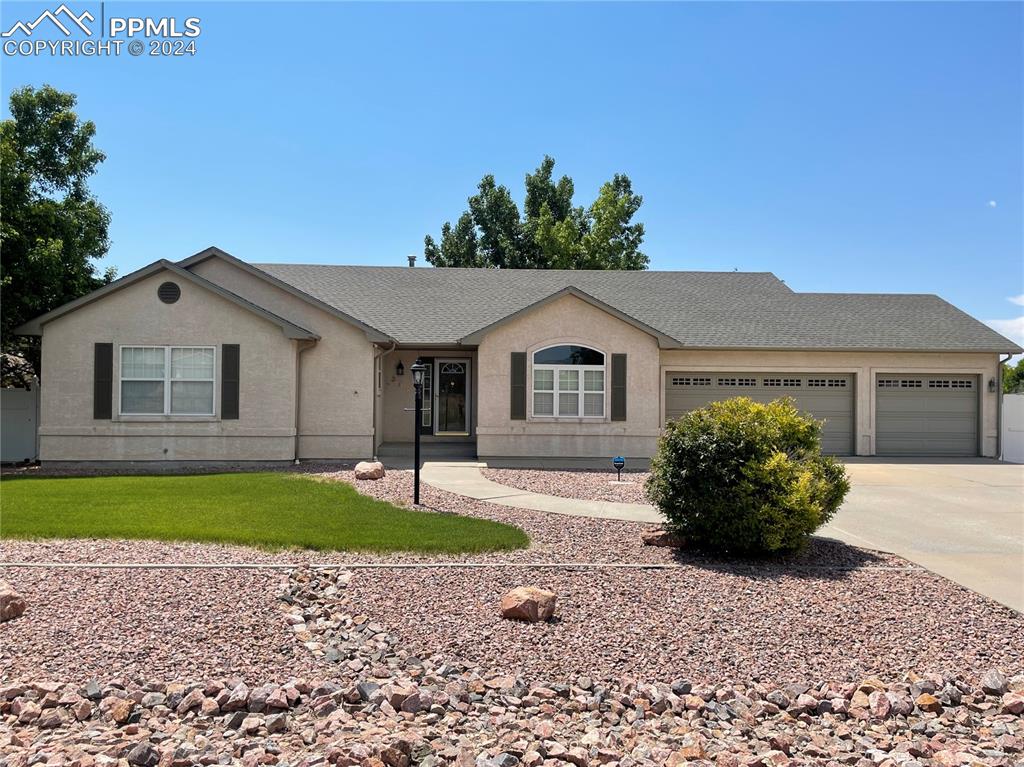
215,359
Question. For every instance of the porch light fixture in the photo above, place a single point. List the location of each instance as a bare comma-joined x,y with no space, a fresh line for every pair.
399,369
991,386
417,369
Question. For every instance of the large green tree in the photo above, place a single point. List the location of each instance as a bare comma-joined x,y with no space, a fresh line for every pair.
550,233
1013,377
52,228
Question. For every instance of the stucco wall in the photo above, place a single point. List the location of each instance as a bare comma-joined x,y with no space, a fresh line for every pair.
567,320
134,315
336,376
865,365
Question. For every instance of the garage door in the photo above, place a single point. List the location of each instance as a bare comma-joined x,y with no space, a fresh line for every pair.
827,396
926,415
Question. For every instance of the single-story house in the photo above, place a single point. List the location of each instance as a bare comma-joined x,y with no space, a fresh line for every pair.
215,359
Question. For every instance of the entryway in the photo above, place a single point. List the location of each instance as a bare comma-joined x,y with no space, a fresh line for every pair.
450,397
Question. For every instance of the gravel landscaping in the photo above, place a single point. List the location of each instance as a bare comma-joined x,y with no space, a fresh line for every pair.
582,484
836,656
379,703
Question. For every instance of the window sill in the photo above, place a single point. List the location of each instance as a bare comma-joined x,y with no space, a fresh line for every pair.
567,419
166,419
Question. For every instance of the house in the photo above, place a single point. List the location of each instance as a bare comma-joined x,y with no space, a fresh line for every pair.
215,359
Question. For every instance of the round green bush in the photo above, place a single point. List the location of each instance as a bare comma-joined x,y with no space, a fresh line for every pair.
742,477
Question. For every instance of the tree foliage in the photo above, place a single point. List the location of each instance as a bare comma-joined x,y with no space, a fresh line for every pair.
53,229
550,233
1013,377
742,477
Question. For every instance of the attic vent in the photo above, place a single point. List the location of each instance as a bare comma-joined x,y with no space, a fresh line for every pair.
169,292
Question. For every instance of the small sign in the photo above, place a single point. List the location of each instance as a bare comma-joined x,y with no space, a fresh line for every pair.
619,463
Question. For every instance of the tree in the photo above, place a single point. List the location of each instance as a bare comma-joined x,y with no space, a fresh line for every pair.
53,229
1013,377
551,232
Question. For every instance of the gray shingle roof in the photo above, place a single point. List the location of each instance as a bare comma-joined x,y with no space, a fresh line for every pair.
741,310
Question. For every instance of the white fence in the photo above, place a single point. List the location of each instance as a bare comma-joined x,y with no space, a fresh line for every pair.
19,409
1013,428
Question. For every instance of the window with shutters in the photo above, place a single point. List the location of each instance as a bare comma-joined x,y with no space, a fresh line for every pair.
568,382
167,380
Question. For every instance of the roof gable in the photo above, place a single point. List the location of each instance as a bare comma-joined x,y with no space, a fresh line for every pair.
664,341
214,252
35,327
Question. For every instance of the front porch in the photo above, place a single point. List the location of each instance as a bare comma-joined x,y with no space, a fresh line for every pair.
447,425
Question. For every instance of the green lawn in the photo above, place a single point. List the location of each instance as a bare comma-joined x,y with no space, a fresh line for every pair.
269,510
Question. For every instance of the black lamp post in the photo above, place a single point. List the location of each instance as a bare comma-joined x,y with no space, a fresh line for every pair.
417,369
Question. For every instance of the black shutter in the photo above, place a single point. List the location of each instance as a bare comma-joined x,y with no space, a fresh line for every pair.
518,379
618,387
229,381
103,382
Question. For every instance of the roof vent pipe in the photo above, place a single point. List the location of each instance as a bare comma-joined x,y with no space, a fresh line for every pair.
412,260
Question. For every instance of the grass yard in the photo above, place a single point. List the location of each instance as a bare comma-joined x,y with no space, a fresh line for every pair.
269,510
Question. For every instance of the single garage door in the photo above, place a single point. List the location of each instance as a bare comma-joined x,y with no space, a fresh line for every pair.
926,415
826,396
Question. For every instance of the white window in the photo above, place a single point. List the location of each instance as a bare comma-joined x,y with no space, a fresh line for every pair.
568,382
167,380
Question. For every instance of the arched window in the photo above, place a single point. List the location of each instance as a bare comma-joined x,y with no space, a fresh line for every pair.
568,382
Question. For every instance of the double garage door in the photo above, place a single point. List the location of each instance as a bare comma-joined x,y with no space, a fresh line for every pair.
828,396
914,414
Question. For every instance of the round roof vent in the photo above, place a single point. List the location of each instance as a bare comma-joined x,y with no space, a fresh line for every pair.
169,292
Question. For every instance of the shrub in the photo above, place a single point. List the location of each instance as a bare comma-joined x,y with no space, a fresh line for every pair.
742,477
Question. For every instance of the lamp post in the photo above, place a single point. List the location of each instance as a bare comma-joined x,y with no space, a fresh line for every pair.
417,369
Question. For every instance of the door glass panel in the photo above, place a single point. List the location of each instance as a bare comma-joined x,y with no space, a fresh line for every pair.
428,396
451,397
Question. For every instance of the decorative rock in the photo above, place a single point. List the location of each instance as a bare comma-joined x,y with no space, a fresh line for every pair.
994,683
144,755
879,704
369,470
12,604
927,702
660,537
528,603
120,709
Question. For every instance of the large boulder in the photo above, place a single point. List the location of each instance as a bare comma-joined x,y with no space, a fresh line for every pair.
12,604
528,603
369,470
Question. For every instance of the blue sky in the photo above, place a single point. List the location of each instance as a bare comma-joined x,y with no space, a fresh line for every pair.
846,147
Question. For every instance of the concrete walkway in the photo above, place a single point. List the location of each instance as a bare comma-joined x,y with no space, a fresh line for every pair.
465,478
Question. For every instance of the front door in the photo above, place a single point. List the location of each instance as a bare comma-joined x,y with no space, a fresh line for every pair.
451,397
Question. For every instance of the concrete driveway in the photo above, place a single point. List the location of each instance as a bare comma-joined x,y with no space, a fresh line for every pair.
963,519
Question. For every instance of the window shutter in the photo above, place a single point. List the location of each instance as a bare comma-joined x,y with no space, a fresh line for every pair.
518,378
229,382
618,387
103,382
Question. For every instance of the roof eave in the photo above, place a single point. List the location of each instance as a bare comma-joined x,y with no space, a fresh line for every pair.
373,334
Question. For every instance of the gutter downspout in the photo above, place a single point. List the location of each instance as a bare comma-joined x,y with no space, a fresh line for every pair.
999,407
378,391
303,345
